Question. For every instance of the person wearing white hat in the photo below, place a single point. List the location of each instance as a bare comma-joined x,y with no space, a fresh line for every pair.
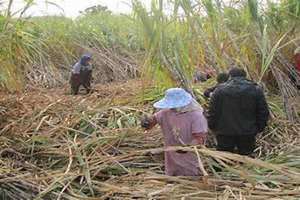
183,123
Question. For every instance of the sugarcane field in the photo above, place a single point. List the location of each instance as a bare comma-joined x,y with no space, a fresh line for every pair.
150,99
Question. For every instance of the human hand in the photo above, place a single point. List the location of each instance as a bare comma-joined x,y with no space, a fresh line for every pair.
145,122
199,139
181,151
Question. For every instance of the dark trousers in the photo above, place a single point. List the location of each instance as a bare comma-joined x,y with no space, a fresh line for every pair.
245,144
77,80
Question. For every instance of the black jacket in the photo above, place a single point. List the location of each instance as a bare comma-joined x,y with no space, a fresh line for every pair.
238,107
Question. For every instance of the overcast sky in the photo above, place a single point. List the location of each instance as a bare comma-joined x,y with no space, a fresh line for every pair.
72,8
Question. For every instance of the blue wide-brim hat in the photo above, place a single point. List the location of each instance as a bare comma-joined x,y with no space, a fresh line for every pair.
174,98
84,58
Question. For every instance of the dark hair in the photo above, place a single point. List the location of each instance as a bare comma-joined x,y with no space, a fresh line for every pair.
222,77
237,72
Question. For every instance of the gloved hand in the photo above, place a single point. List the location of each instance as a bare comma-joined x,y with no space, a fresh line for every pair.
145,122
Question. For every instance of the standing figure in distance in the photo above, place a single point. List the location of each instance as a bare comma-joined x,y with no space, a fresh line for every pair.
183,123
238,111
81,75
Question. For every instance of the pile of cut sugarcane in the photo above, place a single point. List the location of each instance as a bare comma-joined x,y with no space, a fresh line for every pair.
56,146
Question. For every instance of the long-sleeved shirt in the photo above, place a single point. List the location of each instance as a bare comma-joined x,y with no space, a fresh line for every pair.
78,67
179,129
239,108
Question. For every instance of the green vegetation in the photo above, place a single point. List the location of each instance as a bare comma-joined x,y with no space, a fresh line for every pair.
192,34
41,50
208,33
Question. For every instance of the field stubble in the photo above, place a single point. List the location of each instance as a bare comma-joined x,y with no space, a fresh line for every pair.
58,146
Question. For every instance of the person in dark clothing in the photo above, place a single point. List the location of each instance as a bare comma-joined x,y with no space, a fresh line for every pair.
81,75
238,111
201,77
221,78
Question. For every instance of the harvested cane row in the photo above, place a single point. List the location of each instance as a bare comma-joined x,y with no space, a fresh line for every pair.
62,147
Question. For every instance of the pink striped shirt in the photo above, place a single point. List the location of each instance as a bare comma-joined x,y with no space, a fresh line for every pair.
178,129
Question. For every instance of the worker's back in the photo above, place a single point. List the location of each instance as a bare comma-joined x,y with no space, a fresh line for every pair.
240,108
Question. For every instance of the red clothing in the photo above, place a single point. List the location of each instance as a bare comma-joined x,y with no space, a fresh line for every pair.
297,62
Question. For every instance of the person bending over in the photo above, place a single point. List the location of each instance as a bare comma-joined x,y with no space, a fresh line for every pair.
183,123
81,75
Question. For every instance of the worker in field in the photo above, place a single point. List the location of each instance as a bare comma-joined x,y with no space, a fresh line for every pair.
203,76
81,75
295,76
183,123
238,111
221,78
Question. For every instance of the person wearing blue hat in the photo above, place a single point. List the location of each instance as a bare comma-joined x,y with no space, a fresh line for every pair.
81,74
183,123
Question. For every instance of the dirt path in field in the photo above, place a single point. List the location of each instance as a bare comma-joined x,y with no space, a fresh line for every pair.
17,106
